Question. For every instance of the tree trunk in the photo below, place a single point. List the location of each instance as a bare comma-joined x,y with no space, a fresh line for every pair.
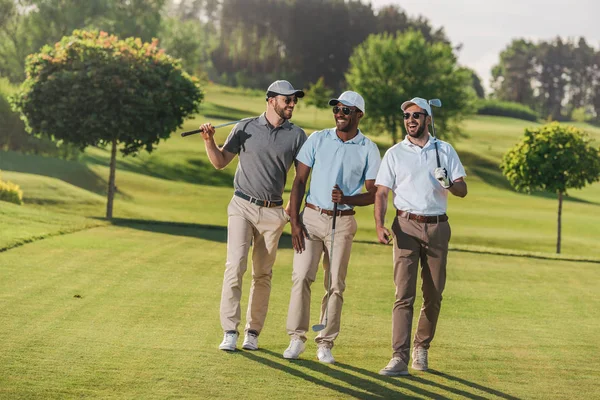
111,180
560,200
392,128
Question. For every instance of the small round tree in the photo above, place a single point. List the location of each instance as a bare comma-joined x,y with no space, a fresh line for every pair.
552,158
93,89
318,95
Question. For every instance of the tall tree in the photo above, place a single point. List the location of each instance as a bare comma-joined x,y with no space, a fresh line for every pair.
552,158
94,89
388,70
512,78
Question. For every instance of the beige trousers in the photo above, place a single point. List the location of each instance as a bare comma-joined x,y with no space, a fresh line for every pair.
414,242
248,223
305,269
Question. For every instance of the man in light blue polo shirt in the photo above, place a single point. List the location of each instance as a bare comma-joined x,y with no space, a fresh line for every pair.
342,160
421,171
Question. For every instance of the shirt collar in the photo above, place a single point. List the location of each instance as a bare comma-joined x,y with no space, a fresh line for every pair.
430,142
358,139
264,121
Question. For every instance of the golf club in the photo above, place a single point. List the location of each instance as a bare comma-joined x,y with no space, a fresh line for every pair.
188,133
435,103
320,327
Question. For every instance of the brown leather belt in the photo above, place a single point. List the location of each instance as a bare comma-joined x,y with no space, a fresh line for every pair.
426,219
330,212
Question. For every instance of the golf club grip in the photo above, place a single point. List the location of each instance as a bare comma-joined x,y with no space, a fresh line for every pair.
334,216
188,133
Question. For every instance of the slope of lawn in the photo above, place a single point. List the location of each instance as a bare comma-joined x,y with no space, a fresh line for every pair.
129,308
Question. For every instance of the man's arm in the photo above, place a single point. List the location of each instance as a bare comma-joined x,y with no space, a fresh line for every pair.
219,158
458,188
363,199
298,190
381,199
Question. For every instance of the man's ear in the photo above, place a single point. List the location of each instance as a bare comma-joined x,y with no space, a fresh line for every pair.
361,114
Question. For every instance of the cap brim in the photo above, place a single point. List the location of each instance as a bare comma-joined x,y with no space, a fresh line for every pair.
333,102
298,93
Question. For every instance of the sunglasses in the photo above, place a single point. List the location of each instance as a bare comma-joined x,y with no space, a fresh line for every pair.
415,115
289,99
345,110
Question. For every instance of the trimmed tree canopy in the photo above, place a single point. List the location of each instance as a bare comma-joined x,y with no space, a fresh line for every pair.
552,158
93,89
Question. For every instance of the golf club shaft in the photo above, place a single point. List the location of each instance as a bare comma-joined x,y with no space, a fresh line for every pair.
437,155
188,133
330,262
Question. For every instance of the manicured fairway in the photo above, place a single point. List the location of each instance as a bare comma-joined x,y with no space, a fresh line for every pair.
129,308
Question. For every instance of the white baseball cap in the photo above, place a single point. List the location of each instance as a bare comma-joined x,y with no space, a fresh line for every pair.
350,98
418,101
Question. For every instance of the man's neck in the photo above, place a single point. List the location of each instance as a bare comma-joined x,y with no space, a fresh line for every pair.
273,118
345,136
421,141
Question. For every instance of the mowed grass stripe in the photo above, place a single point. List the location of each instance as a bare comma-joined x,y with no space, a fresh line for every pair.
147,325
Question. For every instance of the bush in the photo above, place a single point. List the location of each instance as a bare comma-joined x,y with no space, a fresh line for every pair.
506,109
11,193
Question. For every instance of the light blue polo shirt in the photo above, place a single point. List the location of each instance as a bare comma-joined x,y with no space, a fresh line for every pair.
347,164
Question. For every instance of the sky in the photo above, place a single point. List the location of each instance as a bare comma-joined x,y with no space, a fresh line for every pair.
486,27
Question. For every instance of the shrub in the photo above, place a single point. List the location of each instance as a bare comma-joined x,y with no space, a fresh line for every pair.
10,192
506,109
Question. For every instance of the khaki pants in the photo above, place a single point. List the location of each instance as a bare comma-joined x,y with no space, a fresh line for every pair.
414,241
263,226
305,269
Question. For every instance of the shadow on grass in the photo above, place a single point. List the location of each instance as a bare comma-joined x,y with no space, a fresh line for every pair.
72,172
193,170
360,388
214,233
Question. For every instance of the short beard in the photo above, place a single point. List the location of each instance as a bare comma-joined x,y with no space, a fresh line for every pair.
280,111
419,133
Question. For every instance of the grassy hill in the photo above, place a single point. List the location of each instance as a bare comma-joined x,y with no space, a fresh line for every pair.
129,309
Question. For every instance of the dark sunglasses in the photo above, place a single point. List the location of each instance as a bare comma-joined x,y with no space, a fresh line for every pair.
289,99
345,110
415,115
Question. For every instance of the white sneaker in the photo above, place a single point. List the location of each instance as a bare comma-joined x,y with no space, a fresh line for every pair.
250,341
396,367
419,357
294,350
324,355
229,341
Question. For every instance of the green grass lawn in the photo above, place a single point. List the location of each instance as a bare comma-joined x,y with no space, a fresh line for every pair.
129,309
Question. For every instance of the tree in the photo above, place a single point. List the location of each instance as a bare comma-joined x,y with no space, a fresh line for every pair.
93,89
512,78
388,70
552,158
318,94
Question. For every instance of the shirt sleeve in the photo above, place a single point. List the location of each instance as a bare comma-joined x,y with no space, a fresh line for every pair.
373,162
306,155
232,143
455,167
300,142
386,175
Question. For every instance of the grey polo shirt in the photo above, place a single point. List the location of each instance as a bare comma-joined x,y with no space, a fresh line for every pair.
265,156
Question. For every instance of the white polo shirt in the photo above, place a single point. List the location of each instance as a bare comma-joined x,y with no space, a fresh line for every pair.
408,170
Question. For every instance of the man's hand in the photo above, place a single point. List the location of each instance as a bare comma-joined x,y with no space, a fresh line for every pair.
208,131
299,235
337,196
384,235
442,177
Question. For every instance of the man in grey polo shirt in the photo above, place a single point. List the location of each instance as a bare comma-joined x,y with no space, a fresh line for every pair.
267,146
421,230
342,160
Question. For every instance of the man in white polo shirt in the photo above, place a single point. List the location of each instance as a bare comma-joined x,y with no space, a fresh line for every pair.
421,231
342,160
